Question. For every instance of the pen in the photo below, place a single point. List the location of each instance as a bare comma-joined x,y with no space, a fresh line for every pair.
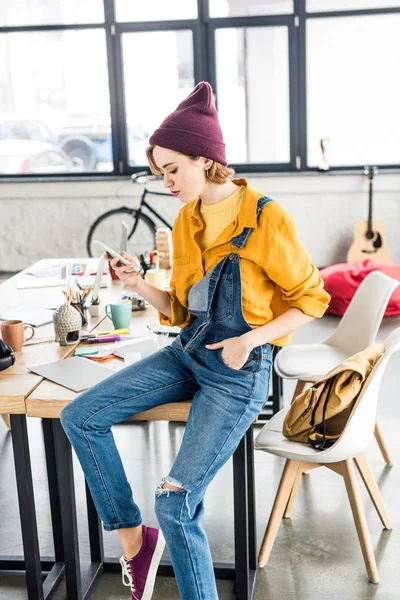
113,332
104,338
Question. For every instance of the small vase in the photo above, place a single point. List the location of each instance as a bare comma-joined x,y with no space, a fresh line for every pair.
95,310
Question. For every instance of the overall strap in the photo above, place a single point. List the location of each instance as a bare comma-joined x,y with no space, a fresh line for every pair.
240,240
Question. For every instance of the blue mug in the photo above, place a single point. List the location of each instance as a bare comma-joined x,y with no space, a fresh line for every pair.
120,314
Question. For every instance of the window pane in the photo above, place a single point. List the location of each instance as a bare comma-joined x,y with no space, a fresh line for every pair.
152,93
155,10
353,94
60,12
54,95
243,8
327,5
253,93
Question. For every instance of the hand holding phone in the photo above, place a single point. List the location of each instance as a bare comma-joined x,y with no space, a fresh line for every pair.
111,252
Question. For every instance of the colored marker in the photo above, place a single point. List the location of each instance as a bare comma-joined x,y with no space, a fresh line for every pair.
104,339
113,332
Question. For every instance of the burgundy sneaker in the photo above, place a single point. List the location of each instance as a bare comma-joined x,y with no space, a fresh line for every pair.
140,571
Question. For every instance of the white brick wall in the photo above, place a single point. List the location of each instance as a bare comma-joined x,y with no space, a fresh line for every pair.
40,220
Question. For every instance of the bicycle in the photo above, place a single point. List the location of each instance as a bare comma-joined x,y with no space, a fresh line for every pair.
111,226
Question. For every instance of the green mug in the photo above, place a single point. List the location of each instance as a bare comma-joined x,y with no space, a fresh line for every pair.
120,314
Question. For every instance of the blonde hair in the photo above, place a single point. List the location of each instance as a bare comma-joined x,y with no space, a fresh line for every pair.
217,173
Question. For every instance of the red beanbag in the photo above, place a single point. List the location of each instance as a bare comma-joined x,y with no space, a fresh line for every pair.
342,281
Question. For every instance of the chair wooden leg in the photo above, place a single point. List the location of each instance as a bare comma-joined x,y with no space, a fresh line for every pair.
300,387
281,499
373,489
353,493
303,468
382,444
6,419
293,493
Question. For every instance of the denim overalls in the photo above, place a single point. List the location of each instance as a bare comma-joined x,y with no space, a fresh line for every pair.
225,402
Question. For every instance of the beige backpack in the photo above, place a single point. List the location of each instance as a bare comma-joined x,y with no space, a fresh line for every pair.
319,415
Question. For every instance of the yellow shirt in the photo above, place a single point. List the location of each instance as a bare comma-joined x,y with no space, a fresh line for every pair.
275,268
216,217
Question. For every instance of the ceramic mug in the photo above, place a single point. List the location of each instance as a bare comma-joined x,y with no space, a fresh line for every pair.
156,277
13,333
120,314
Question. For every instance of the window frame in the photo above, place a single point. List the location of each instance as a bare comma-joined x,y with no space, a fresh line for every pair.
204,53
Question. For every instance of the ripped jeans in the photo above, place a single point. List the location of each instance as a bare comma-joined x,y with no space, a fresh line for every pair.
224,404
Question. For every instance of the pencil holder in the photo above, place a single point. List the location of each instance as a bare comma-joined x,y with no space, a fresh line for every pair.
67,323
82,310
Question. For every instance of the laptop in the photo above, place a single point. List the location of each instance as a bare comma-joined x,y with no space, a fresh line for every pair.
76,373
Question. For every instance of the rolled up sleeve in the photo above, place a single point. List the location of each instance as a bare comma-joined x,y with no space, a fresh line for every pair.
179,314
287,263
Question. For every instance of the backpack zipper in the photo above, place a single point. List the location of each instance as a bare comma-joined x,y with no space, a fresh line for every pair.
303,414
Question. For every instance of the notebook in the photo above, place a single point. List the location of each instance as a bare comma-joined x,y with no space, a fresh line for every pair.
76,373
29,282
30,315
145,346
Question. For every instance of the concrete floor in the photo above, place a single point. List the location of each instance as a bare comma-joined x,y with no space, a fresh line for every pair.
316,555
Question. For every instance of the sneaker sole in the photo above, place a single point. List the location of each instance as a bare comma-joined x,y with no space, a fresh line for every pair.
155,561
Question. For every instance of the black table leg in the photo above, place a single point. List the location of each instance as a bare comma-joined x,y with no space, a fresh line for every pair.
66,488
53,488
26,502
95,530
244,576
251,499
276,393
31,564
78,587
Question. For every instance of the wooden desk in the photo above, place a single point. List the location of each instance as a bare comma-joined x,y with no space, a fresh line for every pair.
40,398
16,383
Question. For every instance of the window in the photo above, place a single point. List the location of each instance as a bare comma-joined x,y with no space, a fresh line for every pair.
352,93
145,87
155,10
241,8
326,5
55,90
299,84
53,12
253,93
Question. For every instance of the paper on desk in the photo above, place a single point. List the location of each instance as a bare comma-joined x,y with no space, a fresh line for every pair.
30,315
48,271
30,282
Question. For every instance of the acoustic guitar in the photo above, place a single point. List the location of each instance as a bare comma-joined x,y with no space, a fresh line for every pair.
369,239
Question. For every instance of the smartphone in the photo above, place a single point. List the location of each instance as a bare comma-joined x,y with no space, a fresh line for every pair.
111,252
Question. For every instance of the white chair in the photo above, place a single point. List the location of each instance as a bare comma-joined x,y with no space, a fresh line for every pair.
357,329
357,434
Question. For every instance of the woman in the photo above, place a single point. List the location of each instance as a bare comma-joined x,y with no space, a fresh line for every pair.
241,283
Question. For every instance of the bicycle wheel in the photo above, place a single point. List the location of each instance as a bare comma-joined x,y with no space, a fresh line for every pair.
108,229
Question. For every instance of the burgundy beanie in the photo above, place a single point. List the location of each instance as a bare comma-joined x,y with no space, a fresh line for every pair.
193,128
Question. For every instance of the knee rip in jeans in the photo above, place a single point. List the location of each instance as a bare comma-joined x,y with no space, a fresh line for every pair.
177,489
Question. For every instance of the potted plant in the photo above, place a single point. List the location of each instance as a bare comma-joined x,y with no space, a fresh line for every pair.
94,307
